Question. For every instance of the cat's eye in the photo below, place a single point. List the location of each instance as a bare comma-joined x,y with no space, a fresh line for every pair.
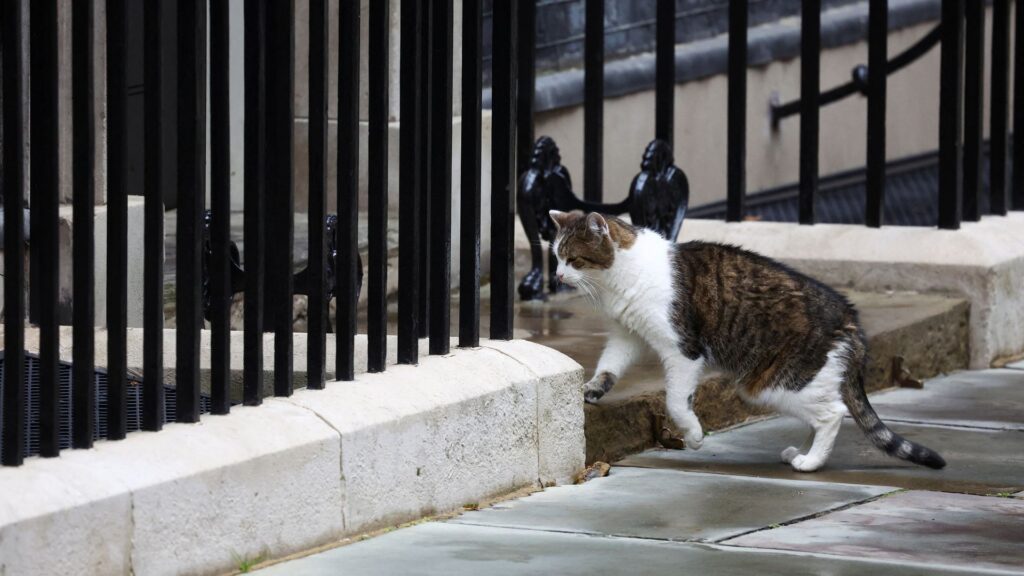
572,261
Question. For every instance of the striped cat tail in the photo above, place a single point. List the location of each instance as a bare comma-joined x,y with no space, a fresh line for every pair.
867,419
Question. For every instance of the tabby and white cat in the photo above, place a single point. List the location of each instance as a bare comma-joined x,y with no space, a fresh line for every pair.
790,342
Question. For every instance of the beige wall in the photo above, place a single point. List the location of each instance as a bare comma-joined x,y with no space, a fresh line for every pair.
301,155
772,155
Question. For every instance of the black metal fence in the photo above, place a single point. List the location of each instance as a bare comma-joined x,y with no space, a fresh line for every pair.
205,286
523,173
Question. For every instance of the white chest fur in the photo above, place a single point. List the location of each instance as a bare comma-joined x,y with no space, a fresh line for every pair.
637,291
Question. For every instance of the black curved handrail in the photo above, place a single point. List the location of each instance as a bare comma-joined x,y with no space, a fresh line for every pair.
859,81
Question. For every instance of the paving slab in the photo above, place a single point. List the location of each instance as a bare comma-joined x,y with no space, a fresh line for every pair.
446,549
955,530
979,461
979,399
670,505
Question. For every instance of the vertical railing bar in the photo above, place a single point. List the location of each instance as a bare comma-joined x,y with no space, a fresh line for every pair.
14,236
503,165
44,168
280,192
737,112
153,234
441,179
665,71
376,312
878,55
347,259
316,342
810,80
191,200
593,101
83,243
974,109
999,107
1016,200
255,181
425,165
951,115
117,219
527,55
410,185
469,226
220,208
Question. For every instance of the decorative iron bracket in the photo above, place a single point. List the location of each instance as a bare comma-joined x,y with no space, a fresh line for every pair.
300,279
658,198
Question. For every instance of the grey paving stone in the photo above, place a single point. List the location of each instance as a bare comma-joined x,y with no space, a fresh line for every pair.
982,399
670,505
955,530
445,549
979,461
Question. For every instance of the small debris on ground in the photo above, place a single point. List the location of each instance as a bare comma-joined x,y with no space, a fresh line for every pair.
595,470
900,376
664,436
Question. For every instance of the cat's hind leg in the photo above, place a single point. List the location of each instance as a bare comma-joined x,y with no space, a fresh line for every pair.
824,439
819,403
621,351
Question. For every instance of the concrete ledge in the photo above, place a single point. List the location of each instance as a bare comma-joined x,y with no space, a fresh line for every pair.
302,471
983,262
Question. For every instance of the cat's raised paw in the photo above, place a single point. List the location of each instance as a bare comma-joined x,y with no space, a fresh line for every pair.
592,395
789,454
802,463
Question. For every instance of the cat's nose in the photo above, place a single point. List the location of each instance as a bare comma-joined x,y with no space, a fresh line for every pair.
560,276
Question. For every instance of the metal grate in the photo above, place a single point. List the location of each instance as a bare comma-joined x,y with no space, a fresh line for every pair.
134,408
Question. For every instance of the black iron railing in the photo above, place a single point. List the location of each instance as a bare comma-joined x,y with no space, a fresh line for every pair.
546,183
210,271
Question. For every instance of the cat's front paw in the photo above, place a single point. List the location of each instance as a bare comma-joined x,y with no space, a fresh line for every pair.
598,386
591,396
694,439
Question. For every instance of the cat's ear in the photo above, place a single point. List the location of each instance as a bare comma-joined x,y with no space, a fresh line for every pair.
597,224
559,218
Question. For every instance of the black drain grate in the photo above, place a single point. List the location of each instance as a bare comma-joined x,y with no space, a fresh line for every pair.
134,407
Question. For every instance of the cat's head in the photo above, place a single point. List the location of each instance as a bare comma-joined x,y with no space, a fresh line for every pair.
587,244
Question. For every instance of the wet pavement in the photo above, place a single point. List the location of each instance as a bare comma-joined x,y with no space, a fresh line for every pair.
992,399
980,461
933,527
733,508
443,549
668,505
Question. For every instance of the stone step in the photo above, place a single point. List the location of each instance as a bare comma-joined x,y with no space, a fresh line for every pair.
927,331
